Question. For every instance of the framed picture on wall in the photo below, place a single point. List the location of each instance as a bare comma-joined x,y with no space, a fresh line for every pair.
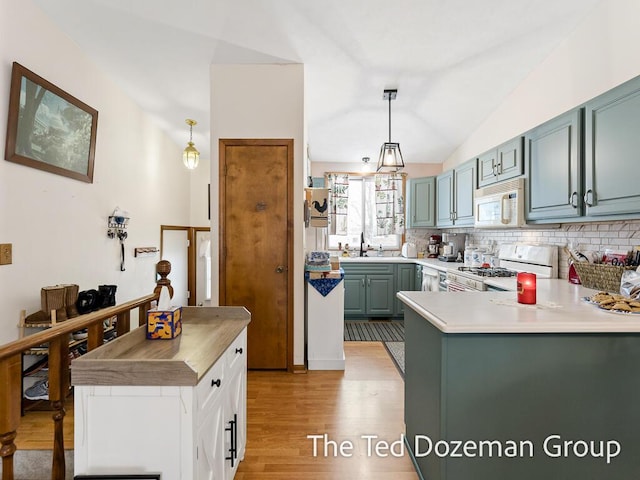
49,129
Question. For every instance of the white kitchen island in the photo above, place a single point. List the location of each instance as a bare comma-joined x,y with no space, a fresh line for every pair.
175,407
525,388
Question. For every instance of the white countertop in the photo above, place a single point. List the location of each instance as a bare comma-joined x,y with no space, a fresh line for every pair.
560,309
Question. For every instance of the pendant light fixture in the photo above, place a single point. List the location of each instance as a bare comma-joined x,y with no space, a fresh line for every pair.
390,155
191,155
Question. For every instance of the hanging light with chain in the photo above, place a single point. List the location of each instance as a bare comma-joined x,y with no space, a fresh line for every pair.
191,155
390,154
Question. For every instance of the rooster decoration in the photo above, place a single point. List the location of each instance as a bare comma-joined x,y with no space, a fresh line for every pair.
320,208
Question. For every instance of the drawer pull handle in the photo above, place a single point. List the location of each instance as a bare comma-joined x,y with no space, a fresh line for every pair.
239,350
215,383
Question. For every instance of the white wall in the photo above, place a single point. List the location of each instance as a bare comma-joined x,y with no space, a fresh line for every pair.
604,51
58,225
199,183
262,101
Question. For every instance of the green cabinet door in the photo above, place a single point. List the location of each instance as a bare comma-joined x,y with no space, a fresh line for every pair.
553,158
354,294
380,294
464,184
422,201
444,199
454,193
405,281
509,157
487,168
612,149
501,163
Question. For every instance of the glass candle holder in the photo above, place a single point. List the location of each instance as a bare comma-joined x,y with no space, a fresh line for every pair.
526,288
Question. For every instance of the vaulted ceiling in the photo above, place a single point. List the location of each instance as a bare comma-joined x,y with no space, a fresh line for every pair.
452,61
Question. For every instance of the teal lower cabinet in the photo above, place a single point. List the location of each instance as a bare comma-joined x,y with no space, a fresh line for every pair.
523,406
355,294
405,281
370,288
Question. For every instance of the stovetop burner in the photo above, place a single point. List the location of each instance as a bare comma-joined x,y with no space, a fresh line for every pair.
489,271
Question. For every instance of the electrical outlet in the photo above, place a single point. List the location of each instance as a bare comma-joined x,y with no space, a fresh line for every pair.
5,254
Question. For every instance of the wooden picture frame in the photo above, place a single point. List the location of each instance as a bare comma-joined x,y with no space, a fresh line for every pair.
49,129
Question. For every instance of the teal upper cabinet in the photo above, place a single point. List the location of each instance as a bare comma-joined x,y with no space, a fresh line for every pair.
553,159
612,149
501,163
444,203
422,202
454,193
465,185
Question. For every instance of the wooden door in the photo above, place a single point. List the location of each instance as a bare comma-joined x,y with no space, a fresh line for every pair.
190,265
256,260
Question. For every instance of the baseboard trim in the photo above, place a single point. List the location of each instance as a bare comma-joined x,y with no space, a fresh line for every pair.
299,369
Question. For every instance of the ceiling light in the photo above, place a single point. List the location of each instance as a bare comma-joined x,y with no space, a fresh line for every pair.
191,155
390,154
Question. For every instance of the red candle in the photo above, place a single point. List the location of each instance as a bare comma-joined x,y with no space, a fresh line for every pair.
526,288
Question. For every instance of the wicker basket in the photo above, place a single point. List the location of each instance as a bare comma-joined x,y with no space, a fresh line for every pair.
600,276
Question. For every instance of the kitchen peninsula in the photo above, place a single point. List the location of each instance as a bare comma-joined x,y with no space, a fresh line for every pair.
550,391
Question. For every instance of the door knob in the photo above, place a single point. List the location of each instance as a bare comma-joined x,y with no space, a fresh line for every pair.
280,268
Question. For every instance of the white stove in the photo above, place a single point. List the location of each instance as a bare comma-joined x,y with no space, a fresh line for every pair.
539,259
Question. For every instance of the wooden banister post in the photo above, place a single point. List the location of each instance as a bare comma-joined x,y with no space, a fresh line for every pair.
123,324
58,390
95,337
10,398
163,268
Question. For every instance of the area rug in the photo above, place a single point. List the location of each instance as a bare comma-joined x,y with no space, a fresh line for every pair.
366,331
36,464
396,352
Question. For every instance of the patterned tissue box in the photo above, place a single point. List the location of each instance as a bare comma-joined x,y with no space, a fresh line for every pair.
164,324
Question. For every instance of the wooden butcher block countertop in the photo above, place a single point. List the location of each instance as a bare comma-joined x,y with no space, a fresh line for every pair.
133,360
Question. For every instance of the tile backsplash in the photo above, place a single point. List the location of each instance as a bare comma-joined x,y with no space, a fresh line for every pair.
619,236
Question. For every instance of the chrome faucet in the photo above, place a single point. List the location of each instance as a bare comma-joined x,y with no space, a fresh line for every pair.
362,244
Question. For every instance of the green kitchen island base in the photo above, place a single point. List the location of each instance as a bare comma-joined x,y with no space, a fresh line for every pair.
526,406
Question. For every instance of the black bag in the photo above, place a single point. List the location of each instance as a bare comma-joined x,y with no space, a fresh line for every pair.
87,301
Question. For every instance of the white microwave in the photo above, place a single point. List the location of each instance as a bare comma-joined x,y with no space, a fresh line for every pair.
500,206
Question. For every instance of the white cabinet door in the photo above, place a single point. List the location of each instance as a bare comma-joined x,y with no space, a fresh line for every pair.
235,421
210,443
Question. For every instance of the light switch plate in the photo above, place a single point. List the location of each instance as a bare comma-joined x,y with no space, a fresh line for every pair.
5,253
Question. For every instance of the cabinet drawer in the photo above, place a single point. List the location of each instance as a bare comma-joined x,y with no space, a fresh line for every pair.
236,355
210,386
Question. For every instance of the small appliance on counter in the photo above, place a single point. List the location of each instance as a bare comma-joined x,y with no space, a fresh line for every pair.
409,250
452,245
434,246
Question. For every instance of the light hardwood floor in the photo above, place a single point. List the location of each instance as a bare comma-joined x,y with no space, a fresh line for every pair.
282,409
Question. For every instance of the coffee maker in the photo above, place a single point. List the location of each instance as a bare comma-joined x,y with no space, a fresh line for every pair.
433,246
452,245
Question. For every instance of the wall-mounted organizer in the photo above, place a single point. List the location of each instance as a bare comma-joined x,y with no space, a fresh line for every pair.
117,228
145,251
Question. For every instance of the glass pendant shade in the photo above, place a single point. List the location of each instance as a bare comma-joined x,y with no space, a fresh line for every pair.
390,157
190,156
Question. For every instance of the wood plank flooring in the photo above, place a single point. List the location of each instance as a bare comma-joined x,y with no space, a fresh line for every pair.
36,429
282,409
